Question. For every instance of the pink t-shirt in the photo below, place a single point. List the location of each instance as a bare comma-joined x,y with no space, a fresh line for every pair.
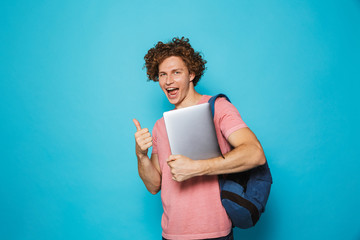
193,209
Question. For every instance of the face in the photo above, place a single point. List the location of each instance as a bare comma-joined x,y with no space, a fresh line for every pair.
175,80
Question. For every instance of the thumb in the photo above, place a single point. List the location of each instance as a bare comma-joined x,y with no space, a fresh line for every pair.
172,158
137,124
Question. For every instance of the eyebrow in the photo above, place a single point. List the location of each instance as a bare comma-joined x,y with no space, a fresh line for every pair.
173,70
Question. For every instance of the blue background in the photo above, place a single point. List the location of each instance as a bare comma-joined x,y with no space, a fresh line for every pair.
72,80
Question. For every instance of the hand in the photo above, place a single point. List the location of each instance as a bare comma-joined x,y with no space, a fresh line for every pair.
182,168
143,140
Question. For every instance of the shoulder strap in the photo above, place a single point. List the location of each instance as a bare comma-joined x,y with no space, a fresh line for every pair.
212,106
212,102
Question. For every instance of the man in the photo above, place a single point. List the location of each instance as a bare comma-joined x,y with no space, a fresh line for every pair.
189,188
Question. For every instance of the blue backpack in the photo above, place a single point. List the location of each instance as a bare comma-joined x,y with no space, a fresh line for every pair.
244,195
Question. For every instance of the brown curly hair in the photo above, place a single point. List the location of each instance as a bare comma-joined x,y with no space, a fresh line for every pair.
176,47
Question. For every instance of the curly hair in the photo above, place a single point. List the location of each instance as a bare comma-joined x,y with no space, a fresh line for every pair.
176,47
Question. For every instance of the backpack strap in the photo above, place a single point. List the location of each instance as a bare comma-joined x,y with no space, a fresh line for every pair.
212,102
212,107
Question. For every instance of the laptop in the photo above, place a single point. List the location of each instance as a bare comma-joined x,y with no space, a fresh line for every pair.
191,132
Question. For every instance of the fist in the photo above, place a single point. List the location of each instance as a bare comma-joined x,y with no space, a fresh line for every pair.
143,139
182,168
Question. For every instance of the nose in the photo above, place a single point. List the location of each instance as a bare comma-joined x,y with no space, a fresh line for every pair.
169,80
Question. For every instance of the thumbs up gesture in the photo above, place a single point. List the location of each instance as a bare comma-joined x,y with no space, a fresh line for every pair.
143,139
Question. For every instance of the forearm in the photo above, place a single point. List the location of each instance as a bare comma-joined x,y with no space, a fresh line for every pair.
240,159
149,174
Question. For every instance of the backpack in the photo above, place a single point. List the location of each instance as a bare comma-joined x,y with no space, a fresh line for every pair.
244,195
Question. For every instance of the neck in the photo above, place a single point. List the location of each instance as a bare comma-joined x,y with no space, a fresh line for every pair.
192,98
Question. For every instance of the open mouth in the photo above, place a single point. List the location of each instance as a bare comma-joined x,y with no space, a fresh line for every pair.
172,92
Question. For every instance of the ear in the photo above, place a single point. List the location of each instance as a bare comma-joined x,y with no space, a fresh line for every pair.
192,76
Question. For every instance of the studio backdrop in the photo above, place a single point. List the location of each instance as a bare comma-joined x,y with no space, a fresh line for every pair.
72,80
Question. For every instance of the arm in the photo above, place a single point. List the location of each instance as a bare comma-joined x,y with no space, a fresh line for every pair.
247,154
149,172
149,169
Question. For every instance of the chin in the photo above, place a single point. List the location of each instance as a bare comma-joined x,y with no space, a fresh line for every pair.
173,101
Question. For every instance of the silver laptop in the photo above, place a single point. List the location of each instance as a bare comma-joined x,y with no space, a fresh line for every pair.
191,132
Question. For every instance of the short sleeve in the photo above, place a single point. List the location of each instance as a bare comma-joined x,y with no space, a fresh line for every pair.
228,117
